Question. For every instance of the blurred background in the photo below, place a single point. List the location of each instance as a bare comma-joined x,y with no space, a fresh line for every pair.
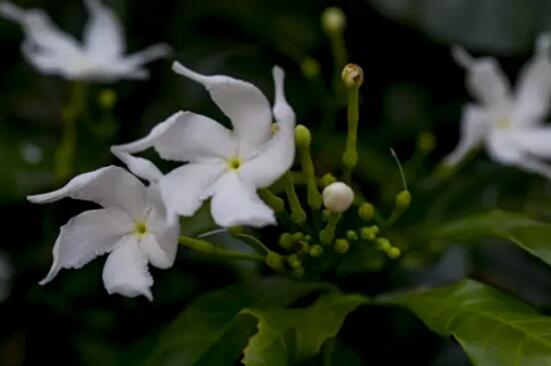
412,86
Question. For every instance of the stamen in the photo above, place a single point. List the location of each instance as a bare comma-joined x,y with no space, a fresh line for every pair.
140,229
234,163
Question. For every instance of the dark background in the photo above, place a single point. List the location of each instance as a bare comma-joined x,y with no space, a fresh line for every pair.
411,85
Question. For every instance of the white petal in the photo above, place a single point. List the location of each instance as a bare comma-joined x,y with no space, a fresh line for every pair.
502,148
103,36
156,255
126,271
485,79
109,187
184,189
40,31
277,155
140,167
474,127
187,136
245,105
534,89
236,203
535,141
86,236
153,52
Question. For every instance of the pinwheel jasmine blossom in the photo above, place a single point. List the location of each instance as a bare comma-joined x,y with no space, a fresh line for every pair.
228,166
100,57
510,125
133,226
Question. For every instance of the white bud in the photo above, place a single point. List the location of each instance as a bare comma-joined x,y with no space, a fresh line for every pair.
333,20
338,197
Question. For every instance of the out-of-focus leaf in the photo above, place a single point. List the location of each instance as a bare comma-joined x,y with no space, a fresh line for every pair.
209,332
286,336
511,29
531,235
492,327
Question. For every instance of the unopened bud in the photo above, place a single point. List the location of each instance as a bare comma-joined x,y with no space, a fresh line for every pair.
327,179
393,252
310,67
293,261
403,200
341,246
298,272
352,76
316,250
286,240
333,20
351,235
338,197
383,244
107,98
366,211
369,233
274,261
303,137
426,142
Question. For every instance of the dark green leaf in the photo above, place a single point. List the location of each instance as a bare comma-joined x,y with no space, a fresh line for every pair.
492,327
286,336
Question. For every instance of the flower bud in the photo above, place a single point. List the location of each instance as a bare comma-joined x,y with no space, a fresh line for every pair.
327,179
303,137
298,272
351,235
366,211
286,240
352,76
316,251
341,246
310,67
369,233
426,142
402,200
293,261
333,20
274,261
107,98
338,197
393,252
383,244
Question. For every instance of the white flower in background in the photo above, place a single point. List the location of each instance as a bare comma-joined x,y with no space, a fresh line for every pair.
228,166
509,124
133,227
338,197
100,57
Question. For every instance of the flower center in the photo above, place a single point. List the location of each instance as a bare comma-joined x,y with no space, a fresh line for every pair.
140,229
503,123
234,163
275,128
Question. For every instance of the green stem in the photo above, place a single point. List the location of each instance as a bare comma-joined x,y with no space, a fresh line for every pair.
350,156
65,153
254,242
340,58
328,233
210,250
276,203
297,212
313,197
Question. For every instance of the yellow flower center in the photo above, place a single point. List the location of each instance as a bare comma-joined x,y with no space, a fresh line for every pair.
275,128
234,163
503,123
140,229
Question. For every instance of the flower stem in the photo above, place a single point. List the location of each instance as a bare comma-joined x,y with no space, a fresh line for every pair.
211,250
297,212
65,153
328,233
340,58
313,197
350,156
276,203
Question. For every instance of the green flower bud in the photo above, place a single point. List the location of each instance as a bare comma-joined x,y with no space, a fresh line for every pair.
351,235
286,240
107,98
383,244
303,137
274,261
393,252
293,261
308,238
366,211
353,76
403,200
298,272
316,251
301,247
426,142
328,179
341,246
333,20
368,233
310,67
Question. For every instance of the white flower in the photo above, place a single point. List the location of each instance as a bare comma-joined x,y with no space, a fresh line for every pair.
510,125
338,197
100,57
226,165
133,226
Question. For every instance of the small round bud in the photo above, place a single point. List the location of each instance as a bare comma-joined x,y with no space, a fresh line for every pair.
293,261
338,197
107,98
308,238
274,261
366,211
310,67
298,272
286,240
383,244
426,142
303,137
403,199
328,179
301,247
333,20
351,235
393,252
352,76
341,246
316,250
368,233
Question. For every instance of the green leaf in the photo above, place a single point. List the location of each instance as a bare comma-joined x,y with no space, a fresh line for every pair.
209,332
531,235
492,327
286,336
